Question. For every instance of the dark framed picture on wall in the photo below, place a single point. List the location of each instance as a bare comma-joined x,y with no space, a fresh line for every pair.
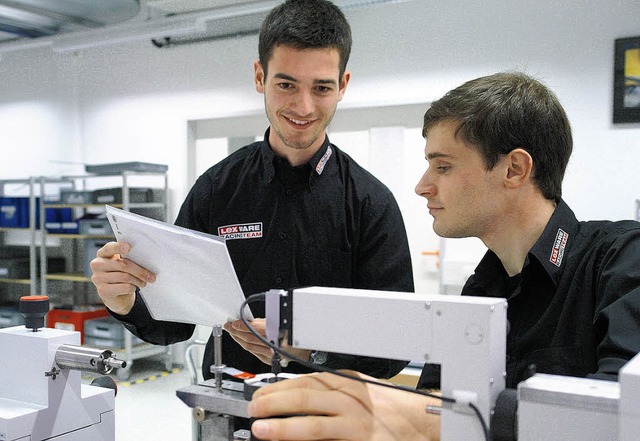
626,81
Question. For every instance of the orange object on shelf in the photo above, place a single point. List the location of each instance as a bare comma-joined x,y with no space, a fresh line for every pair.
73,319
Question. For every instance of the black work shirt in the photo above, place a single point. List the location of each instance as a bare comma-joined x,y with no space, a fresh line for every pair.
328,222
576,310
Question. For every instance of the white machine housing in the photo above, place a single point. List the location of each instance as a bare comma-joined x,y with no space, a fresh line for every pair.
559,408
629,410
465,335
35,406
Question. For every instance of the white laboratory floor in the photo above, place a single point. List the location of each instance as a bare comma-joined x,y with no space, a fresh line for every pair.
147,407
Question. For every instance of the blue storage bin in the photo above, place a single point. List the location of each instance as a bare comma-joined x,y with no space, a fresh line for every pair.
14,212
60,221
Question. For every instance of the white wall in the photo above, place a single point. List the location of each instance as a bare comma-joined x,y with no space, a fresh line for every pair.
132,102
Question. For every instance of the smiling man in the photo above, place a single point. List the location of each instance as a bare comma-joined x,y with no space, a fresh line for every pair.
295,210
301,95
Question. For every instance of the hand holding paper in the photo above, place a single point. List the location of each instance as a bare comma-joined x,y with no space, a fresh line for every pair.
195,279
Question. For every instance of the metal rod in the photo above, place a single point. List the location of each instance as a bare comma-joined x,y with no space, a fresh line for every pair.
84,358
217,367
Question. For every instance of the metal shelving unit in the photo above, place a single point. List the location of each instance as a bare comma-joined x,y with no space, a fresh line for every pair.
30,229
71,245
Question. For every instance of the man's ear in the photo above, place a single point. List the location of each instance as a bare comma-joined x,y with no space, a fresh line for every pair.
258,76
519,168
346,76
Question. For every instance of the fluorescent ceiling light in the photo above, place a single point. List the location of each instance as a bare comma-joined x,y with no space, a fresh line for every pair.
26,18
126,33
174,26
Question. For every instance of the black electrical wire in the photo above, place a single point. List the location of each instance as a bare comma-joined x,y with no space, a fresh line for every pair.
318,367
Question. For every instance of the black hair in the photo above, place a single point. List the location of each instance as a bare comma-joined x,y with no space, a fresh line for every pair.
305,24
508,110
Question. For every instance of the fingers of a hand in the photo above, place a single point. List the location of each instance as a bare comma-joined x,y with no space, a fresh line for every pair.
258,325
119,270
319,381
234,329
250,344
112,248
299,401
114,290
244,335
246,338
299,428
253,345
328,414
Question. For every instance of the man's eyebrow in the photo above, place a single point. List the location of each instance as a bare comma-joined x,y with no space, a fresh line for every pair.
435,155
321,81
286,77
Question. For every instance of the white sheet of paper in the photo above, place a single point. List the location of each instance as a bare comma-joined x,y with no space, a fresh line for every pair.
195,279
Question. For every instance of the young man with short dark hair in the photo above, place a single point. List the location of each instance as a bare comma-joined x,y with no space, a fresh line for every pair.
322,218
497,148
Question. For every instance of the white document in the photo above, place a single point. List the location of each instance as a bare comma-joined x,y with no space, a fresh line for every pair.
195,279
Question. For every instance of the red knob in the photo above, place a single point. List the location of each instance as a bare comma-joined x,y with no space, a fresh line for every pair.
34,309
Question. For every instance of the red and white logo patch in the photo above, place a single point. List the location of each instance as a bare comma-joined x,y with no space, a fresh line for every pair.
557,252
323,161
241,231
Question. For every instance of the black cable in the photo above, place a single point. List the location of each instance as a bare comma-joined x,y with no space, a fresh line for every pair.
318,367
483,423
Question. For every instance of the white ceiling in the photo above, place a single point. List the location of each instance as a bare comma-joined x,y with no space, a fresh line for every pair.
68,25
22,20
167,7
31,19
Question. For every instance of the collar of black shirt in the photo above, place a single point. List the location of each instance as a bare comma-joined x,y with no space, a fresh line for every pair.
321,161
547,253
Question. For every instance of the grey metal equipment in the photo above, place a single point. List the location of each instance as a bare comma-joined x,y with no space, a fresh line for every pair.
475,327
213,407
41,393
467,337
218,367
189,357
215,402
85,358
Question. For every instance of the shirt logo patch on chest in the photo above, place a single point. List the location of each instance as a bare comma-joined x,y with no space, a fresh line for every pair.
557,252
323,161
251,230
